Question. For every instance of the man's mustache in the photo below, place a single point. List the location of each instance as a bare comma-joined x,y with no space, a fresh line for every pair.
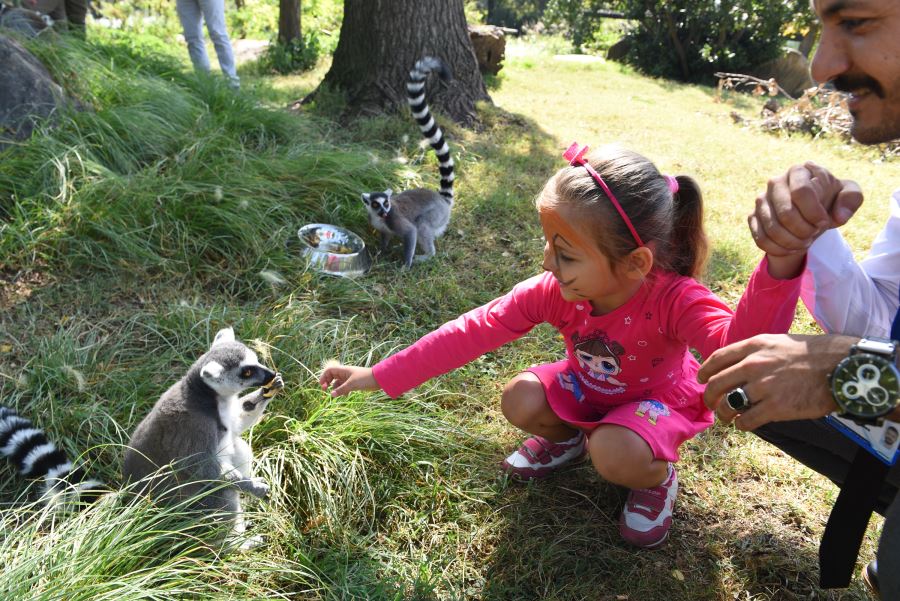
851,82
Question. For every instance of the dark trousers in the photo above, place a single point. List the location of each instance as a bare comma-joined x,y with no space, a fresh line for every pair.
74,12
825,450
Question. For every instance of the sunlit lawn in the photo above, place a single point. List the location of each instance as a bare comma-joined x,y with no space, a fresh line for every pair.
391,500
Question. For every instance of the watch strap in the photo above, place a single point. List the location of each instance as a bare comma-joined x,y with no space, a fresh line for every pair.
849,518
895,325
876,346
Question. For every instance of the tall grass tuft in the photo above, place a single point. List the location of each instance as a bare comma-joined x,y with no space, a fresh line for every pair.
126,548
152,168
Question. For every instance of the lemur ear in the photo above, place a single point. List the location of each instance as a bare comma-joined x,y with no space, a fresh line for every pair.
366,196
211,370
388,192
223,335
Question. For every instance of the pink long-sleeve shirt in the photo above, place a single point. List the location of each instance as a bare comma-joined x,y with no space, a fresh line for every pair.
639,350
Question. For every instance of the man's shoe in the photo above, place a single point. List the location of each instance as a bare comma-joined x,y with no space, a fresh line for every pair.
870,577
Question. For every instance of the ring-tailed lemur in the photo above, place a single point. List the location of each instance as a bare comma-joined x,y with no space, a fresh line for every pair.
417,216
36,457
191,439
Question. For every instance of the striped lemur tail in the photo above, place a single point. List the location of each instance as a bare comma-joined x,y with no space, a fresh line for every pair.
415,88
36,457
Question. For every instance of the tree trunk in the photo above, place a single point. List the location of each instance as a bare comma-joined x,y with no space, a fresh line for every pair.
809,40
676,44
380,42
288,21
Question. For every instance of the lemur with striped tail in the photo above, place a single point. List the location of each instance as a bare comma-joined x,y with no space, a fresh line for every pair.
418,216
37,458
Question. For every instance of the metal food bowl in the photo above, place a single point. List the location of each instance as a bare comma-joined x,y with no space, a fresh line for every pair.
333,250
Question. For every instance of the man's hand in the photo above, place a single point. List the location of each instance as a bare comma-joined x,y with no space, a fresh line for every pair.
784,376
798,206
344,379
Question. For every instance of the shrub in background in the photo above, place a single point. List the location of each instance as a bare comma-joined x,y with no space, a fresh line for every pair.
299,54
692,39
582,21
508,13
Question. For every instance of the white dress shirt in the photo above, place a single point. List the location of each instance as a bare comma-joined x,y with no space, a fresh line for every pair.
846,297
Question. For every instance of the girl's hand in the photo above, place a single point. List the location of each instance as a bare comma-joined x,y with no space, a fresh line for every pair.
344,379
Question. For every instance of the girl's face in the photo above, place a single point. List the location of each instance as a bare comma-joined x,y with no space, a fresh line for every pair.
583,272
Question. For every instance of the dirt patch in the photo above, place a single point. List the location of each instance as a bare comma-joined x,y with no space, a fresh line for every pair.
248,50
17,287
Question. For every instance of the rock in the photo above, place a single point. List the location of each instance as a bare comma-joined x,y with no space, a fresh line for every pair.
791,71
489,43
619,50
27,22
28,94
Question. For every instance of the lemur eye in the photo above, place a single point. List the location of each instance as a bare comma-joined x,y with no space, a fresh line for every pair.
247,373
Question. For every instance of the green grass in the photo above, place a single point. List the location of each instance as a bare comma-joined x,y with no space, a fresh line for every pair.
134,230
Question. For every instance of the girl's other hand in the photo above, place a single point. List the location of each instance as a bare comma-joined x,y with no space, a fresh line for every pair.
344,379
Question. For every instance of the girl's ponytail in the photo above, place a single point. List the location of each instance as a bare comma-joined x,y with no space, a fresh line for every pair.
689,244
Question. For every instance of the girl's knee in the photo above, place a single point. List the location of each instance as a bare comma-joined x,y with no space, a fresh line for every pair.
523,399
621,456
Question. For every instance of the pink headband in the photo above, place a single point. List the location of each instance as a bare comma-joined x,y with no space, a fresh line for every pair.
575,156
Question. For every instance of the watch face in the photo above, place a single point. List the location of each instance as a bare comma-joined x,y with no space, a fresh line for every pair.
865,385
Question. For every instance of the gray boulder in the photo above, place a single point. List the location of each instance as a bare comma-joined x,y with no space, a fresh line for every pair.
26,22
28,94
619,50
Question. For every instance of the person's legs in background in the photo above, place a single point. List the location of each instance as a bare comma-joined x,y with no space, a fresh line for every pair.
191,17
214,15
76,15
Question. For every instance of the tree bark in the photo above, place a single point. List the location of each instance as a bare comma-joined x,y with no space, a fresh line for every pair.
809,40
676,44
380,42
288,21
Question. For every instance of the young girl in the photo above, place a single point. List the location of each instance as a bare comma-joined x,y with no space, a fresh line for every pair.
623,244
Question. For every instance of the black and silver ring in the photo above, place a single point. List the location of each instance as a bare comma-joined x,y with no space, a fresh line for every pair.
738,400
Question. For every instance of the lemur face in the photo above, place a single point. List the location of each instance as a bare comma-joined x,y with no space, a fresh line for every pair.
230,367
378,203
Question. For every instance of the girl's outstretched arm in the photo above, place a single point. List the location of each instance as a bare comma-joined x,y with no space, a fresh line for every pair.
344,379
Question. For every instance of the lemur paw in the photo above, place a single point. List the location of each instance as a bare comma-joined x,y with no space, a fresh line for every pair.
255,541
258,488
270,389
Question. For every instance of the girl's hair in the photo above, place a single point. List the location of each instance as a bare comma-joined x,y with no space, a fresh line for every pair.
671,223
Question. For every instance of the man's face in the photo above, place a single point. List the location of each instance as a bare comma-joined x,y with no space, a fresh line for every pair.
859,52
890,437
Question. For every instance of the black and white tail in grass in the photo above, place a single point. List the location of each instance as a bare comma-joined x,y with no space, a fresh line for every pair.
415,88
29,449
418,216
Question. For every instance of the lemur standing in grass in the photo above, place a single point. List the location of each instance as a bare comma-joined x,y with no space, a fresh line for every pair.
191,440
36,457
196,425
417,216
